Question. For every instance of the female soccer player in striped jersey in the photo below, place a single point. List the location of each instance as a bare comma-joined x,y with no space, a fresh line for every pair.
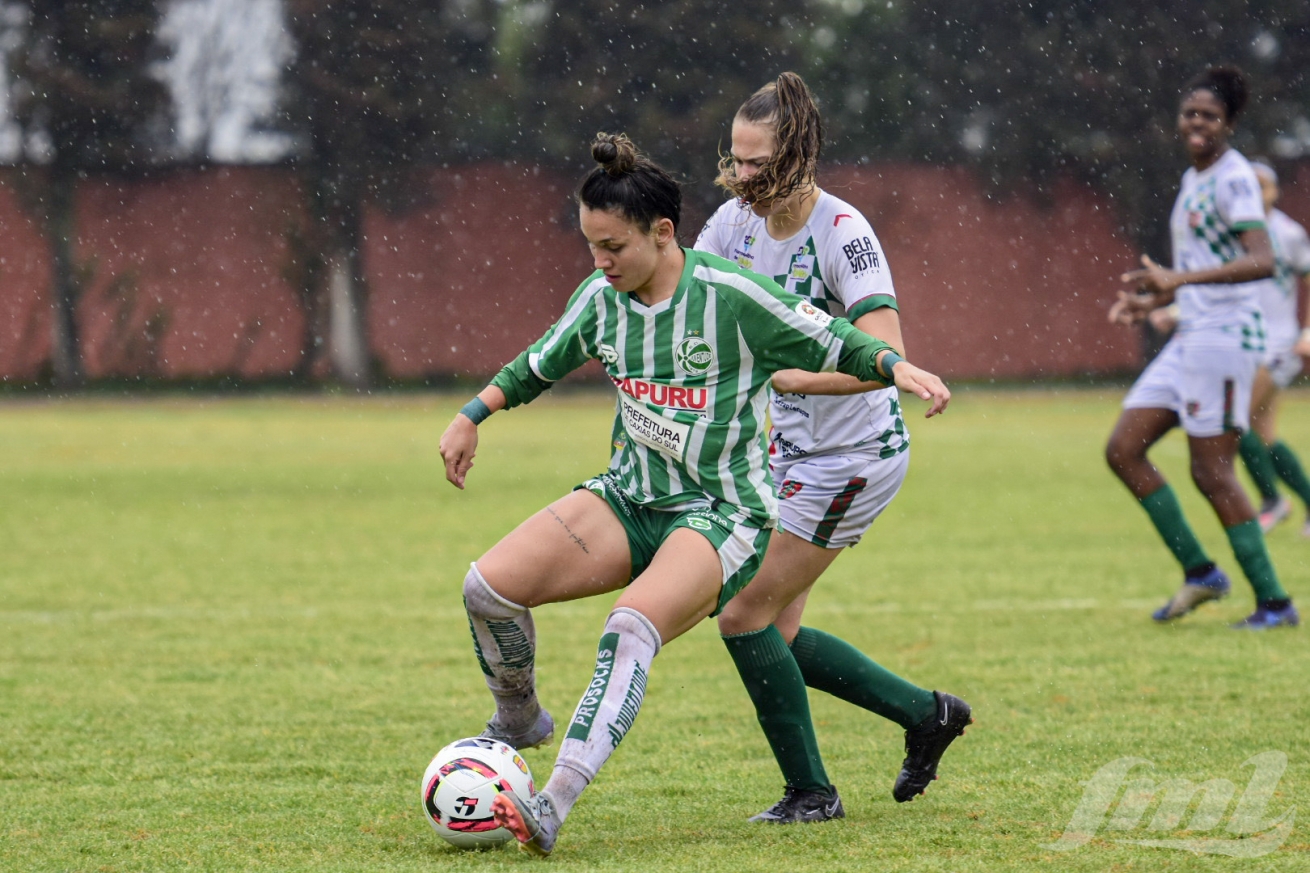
838,450
1267,457
683,514
1204,375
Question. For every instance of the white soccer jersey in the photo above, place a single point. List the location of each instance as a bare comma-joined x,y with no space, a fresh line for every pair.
836,262
1278,294
1214,206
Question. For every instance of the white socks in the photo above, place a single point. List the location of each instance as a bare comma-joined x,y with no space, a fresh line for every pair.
608,707
506,644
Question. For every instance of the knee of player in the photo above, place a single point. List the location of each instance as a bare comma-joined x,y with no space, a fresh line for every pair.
738,618
481,599
1211,477
1119,455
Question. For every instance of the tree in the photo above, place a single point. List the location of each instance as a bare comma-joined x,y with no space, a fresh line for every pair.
368,92
85,101
1028,91
671,75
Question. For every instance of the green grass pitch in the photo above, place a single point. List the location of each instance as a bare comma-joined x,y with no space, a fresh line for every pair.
231,638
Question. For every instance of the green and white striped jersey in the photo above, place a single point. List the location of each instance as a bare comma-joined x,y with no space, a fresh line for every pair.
692,373
1214,207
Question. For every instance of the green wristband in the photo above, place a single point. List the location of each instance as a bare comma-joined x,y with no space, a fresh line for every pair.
889,360
476,411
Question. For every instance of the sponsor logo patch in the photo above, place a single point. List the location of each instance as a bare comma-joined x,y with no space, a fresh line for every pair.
652,429
790,488
699,523
861,255
659,394
608,353
808,311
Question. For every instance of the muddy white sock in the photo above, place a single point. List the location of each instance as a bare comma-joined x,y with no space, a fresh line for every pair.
505,641
608,707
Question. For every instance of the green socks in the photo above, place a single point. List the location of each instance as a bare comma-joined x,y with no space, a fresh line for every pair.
1284,460
1249,547
835,666
1167,516
1260,464
777,689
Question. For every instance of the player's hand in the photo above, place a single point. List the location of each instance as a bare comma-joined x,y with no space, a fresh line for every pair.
458,446
1162,320
923,385
1131,308
1152,278
787,381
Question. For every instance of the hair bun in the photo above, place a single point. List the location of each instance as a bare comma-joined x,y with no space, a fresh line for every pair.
614,152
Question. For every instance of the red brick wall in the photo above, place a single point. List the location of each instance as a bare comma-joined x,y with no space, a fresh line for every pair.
990,287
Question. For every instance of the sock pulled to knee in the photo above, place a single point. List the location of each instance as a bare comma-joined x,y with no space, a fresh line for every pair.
777,689
833,665
505,641
608,707
1249,548
1166,514
1289,469
1256,456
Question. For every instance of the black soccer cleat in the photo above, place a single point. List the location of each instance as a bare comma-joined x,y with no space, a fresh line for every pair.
802,805
926,742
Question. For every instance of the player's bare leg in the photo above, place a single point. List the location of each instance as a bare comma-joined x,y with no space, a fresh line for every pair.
573,548
679,588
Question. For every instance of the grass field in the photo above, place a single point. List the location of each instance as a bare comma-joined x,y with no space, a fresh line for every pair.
231,638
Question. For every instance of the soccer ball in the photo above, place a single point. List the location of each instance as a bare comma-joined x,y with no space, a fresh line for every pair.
460,784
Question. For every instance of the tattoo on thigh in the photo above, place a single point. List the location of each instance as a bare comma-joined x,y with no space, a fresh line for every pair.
577,539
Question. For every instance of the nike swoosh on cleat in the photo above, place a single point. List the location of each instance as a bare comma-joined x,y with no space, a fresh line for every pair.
831,810
946,710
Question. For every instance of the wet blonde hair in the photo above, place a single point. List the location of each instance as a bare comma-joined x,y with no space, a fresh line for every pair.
788,106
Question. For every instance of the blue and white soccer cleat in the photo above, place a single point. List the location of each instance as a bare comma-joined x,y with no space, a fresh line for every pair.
1264,618
1212,586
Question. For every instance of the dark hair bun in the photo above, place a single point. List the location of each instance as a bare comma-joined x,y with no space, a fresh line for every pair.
1225,82
614,152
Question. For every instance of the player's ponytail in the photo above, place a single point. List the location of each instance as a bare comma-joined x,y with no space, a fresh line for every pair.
629,182
788,106
1225,82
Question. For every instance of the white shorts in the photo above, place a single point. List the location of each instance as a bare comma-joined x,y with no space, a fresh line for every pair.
1283,365
831,500
1208,384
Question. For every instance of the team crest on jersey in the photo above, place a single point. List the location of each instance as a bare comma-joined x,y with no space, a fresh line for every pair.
693,356
807,310
608,354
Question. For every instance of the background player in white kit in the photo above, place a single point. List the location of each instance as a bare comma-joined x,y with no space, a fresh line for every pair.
1268,458
838,452
1202,379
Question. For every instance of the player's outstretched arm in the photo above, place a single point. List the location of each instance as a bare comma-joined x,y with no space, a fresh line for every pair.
459,444
920,383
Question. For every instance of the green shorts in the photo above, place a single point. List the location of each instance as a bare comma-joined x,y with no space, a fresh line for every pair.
740,547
